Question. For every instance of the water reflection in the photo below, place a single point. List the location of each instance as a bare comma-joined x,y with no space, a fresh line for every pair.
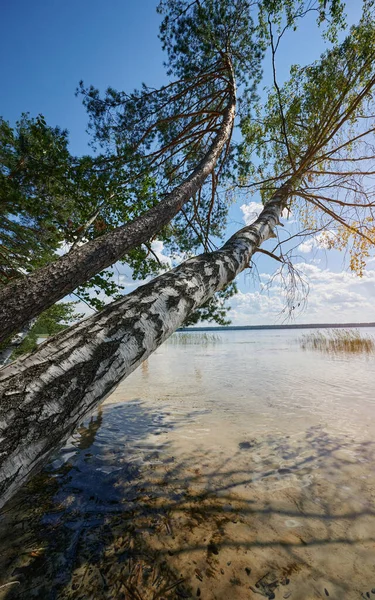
201,491
87,433
131,521
100,484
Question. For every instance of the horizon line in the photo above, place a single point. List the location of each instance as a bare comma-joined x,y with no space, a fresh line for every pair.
289,326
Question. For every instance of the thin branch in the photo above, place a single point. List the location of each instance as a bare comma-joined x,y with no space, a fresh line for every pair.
274,256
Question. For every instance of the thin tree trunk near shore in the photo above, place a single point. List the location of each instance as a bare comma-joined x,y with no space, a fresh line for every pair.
45,395
28,296
14,342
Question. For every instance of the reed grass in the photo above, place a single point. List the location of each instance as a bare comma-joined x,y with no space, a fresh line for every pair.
202,339
338,341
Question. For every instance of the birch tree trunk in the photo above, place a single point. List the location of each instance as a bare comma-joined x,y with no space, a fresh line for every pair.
31,295
45,395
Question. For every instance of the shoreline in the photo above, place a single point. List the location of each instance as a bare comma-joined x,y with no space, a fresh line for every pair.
267,327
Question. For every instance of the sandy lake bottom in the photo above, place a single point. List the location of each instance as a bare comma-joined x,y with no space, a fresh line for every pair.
238,469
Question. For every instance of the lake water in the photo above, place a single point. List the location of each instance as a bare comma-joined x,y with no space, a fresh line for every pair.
237,469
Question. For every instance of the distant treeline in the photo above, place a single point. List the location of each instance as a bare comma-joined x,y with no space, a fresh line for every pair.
293,326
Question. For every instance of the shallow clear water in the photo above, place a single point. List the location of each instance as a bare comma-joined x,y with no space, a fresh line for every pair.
220,470
261,380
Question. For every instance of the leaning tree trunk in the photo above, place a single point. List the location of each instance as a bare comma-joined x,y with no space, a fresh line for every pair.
31,295
44,396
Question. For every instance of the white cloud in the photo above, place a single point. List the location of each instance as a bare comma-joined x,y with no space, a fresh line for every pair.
321,241
63,248
333,297
252,211
157,247
307,246
170,261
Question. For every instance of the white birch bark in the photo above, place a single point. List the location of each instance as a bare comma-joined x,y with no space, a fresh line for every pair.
45,395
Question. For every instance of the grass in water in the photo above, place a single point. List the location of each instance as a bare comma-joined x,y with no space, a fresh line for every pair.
338,341
194,338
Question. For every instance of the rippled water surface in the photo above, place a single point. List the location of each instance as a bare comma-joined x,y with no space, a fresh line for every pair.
236,469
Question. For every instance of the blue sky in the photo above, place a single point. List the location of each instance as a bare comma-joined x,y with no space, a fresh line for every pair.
47,47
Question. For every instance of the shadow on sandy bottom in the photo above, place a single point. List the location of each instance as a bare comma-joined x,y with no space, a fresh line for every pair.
116,515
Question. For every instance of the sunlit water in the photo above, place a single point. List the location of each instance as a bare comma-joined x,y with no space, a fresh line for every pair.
236,469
